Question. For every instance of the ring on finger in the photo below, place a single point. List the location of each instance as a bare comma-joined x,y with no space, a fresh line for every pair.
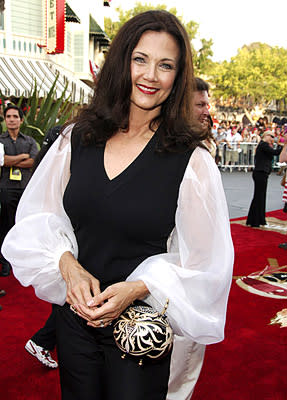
72,307
102,324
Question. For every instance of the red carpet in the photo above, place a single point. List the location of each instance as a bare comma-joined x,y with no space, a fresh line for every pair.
250,364
22,377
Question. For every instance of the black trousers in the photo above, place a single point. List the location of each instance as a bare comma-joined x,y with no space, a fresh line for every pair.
46,336
91,367
9,199
256,214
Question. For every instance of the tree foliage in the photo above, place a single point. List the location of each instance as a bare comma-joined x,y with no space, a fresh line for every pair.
202,58
257,75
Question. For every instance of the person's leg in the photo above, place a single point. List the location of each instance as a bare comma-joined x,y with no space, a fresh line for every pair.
228,156
46,336
263,184
43,341
129,381
256,214
9,200
81,359
4,228
252,218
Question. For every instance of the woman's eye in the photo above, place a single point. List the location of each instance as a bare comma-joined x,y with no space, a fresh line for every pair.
139,59
166,66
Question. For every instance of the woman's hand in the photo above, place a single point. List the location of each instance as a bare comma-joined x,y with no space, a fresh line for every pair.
81,285
103,308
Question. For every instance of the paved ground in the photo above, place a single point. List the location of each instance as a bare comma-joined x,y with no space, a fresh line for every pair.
238,188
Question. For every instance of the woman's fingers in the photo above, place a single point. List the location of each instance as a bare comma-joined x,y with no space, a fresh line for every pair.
102,323
81,288
106,311
87,314
95,290
90,291
81,285
109,304
78,291
100,298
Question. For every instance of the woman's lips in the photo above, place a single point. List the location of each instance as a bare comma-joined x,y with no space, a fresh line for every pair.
146,89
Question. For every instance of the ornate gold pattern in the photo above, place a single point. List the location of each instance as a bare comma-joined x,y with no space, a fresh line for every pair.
280,318
142,331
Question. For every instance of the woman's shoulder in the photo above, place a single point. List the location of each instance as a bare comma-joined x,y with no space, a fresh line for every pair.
202,161
201,153
74,135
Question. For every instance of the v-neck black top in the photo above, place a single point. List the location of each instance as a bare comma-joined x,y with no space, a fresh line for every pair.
120,222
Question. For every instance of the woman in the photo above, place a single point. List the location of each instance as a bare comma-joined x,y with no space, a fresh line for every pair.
263,165
134,176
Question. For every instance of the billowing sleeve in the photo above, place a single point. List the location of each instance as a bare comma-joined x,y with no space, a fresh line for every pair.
43,231
195,274
1,155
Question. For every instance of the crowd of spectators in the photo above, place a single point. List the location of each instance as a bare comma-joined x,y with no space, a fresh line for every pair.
236,143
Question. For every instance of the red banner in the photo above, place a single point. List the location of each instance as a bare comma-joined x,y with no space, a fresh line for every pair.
55,22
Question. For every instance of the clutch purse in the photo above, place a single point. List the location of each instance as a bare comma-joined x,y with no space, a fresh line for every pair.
141,331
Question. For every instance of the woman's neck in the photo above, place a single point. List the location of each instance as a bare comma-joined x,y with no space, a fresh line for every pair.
139,121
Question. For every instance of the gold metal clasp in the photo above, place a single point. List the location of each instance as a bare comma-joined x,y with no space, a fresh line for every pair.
165,307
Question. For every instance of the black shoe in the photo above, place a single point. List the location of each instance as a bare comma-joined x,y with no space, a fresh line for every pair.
5,270
283,246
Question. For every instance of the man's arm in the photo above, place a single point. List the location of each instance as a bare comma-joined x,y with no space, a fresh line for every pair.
25,163
13,161
23,160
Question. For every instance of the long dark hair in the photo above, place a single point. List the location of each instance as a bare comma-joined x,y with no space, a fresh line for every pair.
110,107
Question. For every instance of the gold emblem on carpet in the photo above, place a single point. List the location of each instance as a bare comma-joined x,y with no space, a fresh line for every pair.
280,318
270,282
273,225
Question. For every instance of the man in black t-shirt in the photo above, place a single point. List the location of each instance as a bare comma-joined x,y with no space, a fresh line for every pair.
20,151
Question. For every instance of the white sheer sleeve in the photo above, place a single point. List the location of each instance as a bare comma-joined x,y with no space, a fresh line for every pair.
1,154
43,231
195,275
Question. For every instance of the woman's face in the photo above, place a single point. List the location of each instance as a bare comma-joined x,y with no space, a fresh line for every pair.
154,66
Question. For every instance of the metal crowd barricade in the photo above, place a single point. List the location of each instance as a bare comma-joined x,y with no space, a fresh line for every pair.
239,156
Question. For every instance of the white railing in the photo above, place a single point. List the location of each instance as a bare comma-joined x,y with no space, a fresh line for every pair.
239,156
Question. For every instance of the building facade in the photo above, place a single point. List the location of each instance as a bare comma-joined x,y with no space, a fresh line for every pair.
25,57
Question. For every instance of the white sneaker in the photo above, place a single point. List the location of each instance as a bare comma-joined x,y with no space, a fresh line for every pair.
41,354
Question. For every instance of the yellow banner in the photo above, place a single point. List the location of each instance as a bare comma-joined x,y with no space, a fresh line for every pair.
51,25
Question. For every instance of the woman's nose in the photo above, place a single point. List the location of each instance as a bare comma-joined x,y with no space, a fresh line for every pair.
151,73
